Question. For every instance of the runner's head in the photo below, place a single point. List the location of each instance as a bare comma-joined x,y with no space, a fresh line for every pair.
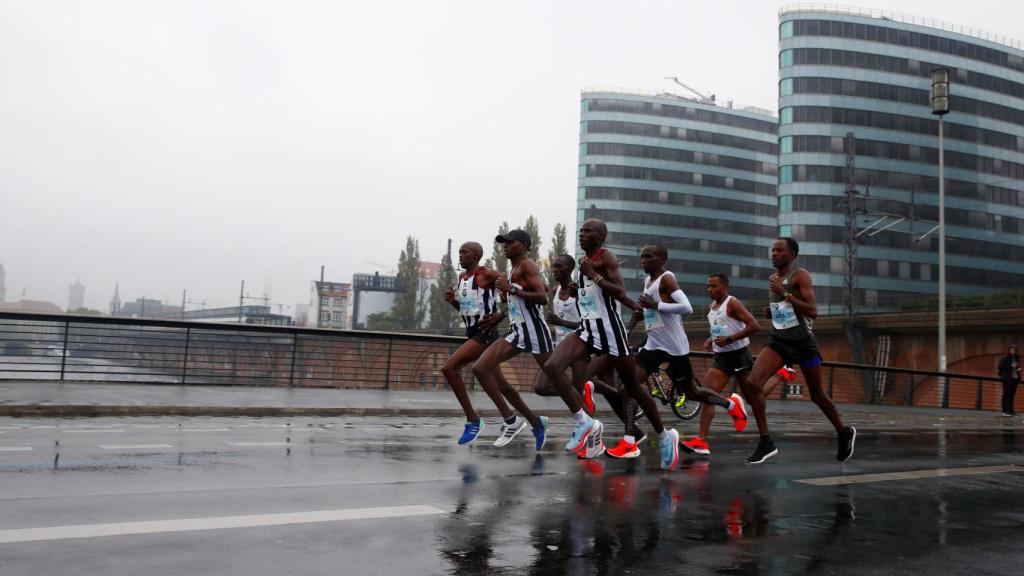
515,243
592,235
718,286
470,254
784,251
653,258
562,268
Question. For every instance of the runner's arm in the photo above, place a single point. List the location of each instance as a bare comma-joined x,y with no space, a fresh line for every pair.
738,311
673,300
613,285
534,291
802,298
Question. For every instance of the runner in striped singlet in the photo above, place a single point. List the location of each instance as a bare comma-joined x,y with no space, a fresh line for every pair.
528,332
477,303
601,332
792,310
731,326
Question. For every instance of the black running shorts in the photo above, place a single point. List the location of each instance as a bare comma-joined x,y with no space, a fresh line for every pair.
679,367
734,361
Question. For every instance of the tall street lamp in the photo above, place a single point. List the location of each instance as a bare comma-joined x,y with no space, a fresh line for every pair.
940,107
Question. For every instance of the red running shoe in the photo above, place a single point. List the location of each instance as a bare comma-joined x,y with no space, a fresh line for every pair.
738,412
696,446
624,450
588,397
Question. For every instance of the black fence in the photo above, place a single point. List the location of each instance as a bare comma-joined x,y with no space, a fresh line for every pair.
103,349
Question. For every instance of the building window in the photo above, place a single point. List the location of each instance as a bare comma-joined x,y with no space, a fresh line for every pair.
583,149
785,174
786,29
785,58
582,193
583,171
585,106
785,203
786,145
786,116
583,127
784,232
786,87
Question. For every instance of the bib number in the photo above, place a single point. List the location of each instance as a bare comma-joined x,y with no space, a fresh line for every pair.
718,329
783,316
652,320
588,304
469,304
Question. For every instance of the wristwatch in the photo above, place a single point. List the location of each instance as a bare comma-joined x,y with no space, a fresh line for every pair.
597,278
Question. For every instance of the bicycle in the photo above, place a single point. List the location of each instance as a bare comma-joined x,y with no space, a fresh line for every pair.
662,388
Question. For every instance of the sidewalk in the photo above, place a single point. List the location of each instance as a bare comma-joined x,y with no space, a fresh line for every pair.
48,399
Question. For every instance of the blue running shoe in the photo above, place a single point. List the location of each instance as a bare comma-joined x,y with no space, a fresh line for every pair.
471,432
669,450
580,434
540,433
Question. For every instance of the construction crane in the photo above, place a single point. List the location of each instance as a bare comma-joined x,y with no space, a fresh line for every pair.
702,98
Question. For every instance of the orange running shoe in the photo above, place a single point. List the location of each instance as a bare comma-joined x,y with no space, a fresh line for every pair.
588,397
696,446
624,450
738,412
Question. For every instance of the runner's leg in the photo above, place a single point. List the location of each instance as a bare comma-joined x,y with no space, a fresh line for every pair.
469,351
716,380
818,396
768,362
484,370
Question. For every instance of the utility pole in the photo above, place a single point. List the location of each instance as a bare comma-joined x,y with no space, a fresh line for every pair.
241,301
940,107
850,281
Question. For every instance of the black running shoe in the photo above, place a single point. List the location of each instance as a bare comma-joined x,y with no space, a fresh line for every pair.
846,441
765,450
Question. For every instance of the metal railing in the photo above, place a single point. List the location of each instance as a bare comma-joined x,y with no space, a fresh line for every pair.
903,18
101,349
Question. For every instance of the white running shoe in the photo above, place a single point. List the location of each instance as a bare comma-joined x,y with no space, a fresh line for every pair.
594,445
510,431
583,430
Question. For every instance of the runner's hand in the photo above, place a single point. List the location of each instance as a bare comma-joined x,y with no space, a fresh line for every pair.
553,319
449,295
720,341
502,284
775,284
707,345
768,312
490,322
647,302
587,267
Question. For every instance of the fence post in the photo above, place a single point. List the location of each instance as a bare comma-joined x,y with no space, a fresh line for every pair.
64,351
945,392
295,348
910,391
184,361
387,370
831,380
977,402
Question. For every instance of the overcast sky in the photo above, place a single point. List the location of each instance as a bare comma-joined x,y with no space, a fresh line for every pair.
193,144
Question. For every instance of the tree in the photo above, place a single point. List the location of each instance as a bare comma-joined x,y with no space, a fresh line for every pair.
557,249
382,321
408,310
500,262
442,316
533,229
85,312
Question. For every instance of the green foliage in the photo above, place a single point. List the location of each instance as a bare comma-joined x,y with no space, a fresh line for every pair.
557,249
533,229
409,308
382,321
443,317
500,262
85,312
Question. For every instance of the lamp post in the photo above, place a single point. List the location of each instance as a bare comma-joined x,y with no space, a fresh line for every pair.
940,107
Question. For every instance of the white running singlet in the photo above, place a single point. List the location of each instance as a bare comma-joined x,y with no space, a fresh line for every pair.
724,325
664,331
565,310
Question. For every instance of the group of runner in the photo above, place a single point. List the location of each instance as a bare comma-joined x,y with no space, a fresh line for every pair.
591,341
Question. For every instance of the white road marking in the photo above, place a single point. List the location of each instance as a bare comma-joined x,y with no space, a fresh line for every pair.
250,444
91,431
133,446
205,429
910,475
209,523
15,449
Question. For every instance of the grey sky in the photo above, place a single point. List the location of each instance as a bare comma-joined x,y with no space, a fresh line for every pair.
193,144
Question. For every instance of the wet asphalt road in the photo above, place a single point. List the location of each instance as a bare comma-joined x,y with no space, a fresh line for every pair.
481,510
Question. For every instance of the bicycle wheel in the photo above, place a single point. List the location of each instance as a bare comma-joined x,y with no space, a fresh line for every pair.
683,407
657,389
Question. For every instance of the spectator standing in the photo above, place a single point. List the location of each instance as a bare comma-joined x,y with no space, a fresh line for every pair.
1009,373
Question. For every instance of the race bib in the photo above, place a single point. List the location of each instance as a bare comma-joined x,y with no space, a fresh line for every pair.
718,329
587,301
469,304
783,316
652,320
515,310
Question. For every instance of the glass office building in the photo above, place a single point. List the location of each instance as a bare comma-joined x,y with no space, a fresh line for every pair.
698,178
843,71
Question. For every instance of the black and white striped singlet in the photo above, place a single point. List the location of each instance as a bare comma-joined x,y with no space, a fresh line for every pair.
527,328
475,302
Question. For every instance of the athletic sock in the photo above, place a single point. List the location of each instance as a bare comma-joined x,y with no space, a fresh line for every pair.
581,417
511,420
629,439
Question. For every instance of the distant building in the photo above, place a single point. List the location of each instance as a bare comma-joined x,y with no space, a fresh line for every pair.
149,308
33,306
328,305
115,302
76,296
234,314
372,293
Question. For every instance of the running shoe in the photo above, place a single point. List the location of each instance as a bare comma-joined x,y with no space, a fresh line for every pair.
765,450
594,445
680,400
624,450
669,450
540,433
696,446
580,434
510,431
471,431
656,392
588,397
738,412
846,441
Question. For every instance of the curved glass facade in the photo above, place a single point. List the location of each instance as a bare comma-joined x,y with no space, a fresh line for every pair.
697,178
842,73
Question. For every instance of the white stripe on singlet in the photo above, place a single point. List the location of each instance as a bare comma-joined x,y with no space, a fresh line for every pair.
601,327
527,328
475,302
